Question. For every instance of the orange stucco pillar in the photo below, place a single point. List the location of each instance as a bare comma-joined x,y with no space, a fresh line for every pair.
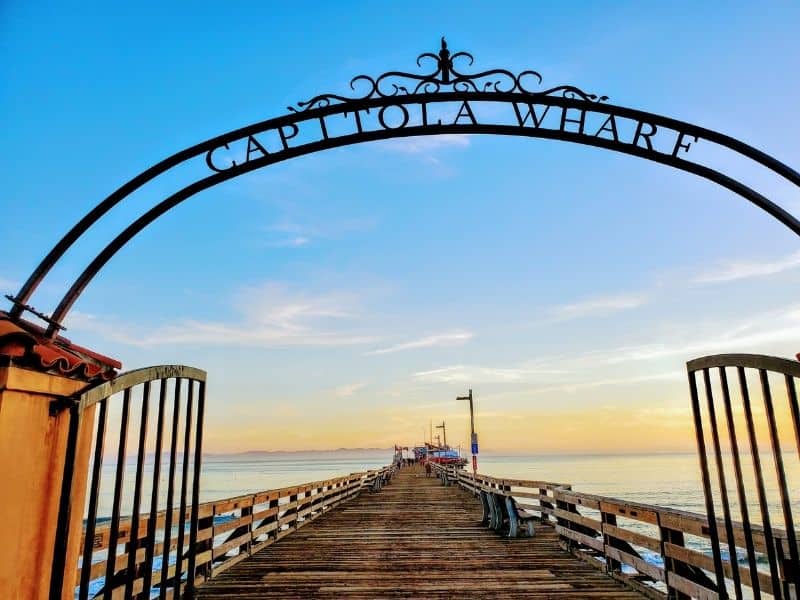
34,372
32,449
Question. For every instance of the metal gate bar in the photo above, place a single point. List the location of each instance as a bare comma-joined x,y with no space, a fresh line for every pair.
780,545
742,493
131,572
150,544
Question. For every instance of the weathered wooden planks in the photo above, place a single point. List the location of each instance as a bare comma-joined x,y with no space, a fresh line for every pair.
415,538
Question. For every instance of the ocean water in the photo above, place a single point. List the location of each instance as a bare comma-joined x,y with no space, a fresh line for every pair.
664,479
671,480
244,474
227,476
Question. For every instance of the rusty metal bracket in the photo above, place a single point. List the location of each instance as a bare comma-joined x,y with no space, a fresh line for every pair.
22,307
60,404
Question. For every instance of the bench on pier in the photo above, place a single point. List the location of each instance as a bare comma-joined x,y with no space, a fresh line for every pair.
380,478
446,477
501,513
500,510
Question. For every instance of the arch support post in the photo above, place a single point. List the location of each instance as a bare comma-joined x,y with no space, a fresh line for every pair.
39,435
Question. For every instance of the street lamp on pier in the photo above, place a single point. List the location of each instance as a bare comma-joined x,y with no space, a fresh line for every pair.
473,435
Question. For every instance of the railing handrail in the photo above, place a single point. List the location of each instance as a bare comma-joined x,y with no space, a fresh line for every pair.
682,567
565,491
506,481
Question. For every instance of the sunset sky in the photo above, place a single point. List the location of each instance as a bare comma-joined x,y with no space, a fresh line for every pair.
345,299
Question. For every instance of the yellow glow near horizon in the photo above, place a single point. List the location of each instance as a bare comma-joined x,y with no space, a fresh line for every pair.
565,425
604,429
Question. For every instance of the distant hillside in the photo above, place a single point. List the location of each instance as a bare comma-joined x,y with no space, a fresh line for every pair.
274,453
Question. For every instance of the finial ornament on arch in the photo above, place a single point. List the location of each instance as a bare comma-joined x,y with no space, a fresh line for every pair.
445,78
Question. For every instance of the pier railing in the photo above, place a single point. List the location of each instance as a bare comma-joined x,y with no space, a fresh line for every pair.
663,552
229,530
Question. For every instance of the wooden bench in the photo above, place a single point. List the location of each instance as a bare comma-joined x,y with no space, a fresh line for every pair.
379,479
501,513
446,479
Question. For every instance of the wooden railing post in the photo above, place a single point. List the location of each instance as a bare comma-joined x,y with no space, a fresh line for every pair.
612,566
273,504
292,512
204,524
672,566
247,511
561,522
545,504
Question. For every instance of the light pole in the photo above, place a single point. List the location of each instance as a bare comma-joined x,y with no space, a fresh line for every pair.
473,435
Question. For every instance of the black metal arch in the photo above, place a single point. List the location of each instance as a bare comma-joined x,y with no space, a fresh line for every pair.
401,102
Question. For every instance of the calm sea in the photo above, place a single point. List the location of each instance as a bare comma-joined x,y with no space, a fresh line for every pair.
664,479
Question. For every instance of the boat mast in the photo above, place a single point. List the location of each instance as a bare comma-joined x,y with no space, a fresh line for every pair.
444,432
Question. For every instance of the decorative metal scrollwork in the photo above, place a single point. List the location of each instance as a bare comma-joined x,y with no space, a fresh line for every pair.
445,78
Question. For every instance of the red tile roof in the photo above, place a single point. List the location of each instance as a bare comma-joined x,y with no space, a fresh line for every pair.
27,345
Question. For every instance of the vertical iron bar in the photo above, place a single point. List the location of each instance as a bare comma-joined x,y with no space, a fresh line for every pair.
762,494
781,557
184,475
740,489
198,453
791,391
170,490
777,456
723,486
58,564
115,512
94,493
153,519
133,543
712,519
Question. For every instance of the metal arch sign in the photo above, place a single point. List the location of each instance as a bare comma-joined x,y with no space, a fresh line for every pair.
458,113
400,104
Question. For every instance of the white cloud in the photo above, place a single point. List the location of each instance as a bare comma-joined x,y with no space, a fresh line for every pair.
723,343
756,333
294,234
599,306
427,144
347,390
601,367
633,379
292,242
453,338
269,315
465,374
745,269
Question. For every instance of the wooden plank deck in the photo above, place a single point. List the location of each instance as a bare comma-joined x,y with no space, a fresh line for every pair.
413,539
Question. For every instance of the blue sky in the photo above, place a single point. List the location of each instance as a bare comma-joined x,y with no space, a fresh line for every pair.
346,298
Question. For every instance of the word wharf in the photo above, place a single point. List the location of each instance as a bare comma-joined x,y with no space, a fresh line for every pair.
398,119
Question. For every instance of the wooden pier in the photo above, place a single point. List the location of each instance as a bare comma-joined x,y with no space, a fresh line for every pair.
398,533
414,538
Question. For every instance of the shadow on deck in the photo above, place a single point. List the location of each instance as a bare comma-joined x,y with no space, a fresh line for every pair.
415,538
